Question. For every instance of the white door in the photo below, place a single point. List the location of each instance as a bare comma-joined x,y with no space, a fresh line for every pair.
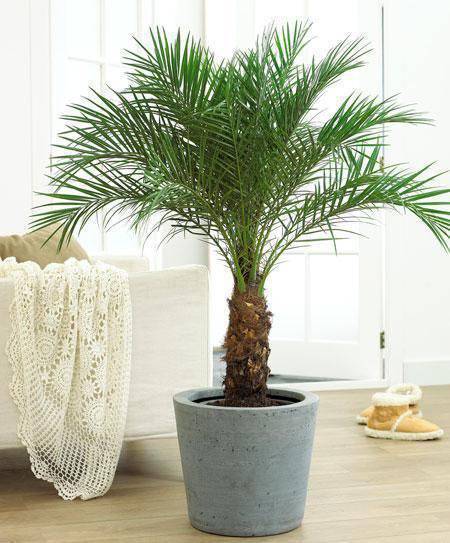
327,313
327,309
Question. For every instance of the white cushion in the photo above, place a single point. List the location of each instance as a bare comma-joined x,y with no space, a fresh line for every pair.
129,263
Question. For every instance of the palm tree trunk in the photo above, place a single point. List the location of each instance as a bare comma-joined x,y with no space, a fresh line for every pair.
247,350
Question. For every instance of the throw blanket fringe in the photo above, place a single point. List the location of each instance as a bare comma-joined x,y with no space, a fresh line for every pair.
70,351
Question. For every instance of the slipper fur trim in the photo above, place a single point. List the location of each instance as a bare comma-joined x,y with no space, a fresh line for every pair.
400,419
389,399
404,436
414,392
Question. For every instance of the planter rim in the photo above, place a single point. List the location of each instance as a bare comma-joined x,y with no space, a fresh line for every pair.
188,397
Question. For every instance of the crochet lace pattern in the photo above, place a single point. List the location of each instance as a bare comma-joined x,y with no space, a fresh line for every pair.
70,352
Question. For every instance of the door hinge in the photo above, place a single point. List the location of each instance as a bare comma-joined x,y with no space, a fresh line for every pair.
382,340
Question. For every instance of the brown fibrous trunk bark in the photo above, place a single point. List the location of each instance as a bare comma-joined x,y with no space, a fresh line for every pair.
247,350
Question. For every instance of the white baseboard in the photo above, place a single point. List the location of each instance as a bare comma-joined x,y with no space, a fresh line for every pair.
334,385
427,372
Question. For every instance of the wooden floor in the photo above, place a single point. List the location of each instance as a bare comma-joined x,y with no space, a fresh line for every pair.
361,489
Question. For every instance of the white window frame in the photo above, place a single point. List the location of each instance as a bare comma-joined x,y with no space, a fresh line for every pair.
59,57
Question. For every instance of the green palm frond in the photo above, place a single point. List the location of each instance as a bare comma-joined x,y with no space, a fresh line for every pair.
233,151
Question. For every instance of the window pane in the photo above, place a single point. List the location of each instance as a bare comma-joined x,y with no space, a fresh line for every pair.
323,15
334,297
120,26
115,78
347,241
220,15
268,12
79,77
147,16
90,237
83,28
286,297
120,240
175,14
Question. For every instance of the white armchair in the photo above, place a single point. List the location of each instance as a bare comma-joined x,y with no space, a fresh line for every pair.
171,349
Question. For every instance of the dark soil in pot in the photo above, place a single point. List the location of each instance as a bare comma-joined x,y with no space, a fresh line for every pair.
274,401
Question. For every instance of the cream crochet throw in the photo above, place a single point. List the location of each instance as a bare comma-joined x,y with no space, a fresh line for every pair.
70,351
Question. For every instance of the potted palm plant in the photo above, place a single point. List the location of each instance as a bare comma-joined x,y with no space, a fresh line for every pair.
233,151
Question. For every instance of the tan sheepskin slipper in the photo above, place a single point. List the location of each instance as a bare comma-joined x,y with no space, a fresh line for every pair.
413,392
392,418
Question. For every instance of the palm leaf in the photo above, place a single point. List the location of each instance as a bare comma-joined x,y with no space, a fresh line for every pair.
233,151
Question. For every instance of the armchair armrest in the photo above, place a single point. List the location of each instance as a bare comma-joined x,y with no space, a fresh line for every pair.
171,346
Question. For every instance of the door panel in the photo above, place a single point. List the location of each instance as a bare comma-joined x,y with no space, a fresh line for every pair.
340,303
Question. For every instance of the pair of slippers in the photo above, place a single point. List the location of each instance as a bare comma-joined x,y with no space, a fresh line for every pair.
395,414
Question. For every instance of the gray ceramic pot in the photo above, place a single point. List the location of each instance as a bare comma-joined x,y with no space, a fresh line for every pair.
245,469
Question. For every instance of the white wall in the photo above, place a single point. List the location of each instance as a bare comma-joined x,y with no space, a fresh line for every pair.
15,100
25,96
418,271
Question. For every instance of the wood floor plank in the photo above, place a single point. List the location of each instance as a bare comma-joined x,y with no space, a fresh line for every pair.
361,489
